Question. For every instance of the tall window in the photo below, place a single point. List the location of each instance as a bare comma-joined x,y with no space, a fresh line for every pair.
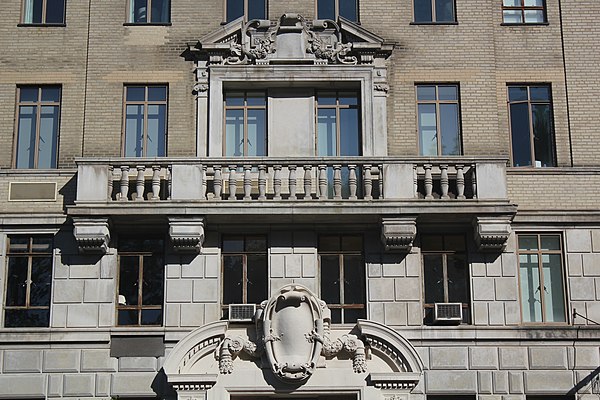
438,120
445,271
245,124
28,281
252,9
44,12
523,11
342,275
531,126
145,121
141,282
149,11
245,274
338,124
440,11
331,9
37,126
541,277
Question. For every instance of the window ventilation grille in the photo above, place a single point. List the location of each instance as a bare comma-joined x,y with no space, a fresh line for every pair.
241,312
448,312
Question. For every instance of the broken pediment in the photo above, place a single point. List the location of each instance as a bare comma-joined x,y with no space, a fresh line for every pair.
292,39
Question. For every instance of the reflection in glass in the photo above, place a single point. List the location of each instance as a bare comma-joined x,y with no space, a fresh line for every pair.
134,130
326,9
428,129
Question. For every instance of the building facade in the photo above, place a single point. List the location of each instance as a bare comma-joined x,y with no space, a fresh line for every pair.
343,199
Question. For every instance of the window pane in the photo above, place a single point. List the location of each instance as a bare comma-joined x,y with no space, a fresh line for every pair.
41,281
140,11
19,244
257,130
554,301
326,132
521,140
33,11
151,317
256,244
511,3
28,94
152,288
458,288
550,242
428,130
326,98
423,11
160,14
235,9
542,135
448,92
42,245
128,280
47,148
234,99
348,9
534,16
136,93
528,242
234,133
434,279
232,279
16,285
50,93
255,99
349,132
353,314
530,288
26,318
512,16
539,93
257,278
55,11
330,279
444,11
353,280
517,93
26,137
348,99
534,3
134,131
449,129
329,243
233,245
326,9
156,130
256,9
425,92
157,93
127,317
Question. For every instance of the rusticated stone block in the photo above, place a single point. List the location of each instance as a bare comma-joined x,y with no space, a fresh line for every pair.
79,385
483,357
61,360
22,361
457,382
449,357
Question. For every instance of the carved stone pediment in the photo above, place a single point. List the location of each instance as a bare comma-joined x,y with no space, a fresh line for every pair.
292,39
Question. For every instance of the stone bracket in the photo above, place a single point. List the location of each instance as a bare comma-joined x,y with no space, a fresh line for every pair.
398,233
186,233
395,381
92,234
491,233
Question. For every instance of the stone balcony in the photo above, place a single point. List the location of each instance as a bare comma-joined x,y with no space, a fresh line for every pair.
392,191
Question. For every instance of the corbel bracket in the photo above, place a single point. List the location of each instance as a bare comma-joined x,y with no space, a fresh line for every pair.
92,234
491,233
186,233
398,233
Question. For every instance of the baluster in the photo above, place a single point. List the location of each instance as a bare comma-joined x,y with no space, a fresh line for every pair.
232,182
124,182
416,181
307,181
247,182
204,183
292,182
111,177
474,180
368,182
155,182
337,182
460,182
428,182
352,181
217,181
322,182
262,182
444,181
380,167
277,182
169,182
139,183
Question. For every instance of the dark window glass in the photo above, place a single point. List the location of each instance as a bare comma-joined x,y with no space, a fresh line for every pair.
523,11
440,11
331,9
44,12
438,120
145,125
252,9
531,126
149,11
28,281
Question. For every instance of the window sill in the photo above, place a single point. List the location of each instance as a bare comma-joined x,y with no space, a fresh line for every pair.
524,24
34,25
434,23
147,24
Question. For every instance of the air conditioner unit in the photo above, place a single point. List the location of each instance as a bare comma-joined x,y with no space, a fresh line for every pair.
241,312
448,313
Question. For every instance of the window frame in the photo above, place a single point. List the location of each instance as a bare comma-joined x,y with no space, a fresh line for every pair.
38,104
337,11
30,254
245,107
539,252
23,22
523,8
337,107
529,102
245,11
144,103
129,20
434,20
342,306
437,103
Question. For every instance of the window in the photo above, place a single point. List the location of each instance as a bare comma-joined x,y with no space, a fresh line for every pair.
541,278
331,9
245,124
145,121
523,11
252,9
149,11
342,275
436,11
438,120
451,397
531,127
338,124
244,270
445,271
28,281
141,282
49,12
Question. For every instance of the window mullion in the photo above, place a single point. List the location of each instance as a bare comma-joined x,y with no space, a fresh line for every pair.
245,278
542,282
140,284
44,6
28,283
445,272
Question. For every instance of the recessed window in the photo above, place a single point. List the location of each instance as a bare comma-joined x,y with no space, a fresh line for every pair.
541,278
251,9
438,111
331,9
48,12
342,276
440,11
531,125
446,274
36,144
245,277
245,124
338,123
28,281
145,121
523,11
149,11
140,282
